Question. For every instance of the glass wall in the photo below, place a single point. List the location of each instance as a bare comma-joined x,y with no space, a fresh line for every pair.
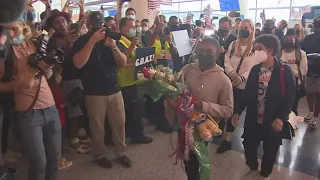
277,9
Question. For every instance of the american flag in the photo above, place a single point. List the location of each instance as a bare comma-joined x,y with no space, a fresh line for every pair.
153,8
166,2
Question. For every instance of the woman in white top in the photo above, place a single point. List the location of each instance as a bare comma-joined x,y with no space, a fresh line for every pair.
296,58
238,62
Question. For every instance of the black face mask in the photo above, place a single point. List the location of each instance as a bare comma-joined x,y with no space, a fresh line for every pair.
297,31
267,30
244,33
288,45
223,32
174,27
206,61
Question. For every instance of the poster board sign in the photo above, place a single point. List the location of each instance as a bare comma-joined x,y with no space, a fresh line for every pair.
144,57
182,42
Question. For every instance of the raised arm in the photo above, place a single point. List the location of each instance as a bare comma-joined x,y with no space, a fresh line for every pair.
82,55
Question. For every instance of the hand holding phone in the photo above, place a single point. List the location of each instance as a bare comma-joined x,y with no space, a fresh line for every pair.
75,27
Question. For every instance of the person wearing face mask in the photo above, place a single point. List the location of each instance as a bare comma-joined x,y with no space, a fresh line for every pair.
268,99
173,25
110,22
235,30
225,38
310,46
268,27
212,89
133,104
238,62
37,118
31,14
296,58
144,29
161,39
63,38
99,58
258,29
130,13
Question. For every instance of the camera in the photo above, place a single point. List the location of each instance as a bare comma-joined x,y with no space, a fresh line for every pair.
53,58
112,34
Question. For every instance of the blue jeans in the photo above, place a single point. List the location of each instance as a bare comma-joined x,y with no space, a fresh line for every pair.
40,131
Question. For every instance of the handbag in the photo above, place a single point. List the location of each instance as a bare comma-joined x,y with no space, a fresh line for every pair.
301,88
287,130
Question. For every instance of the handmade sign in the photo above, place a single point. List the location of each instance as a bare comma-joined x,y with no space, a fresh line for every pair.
144,58
182,41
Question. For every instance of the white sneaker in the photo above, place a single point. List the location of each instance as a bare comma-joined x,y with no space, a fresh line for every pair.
309,117
313,122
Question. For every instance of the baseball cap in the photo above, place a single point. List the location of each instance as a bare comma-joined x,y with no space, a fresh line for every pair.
96,19
316,22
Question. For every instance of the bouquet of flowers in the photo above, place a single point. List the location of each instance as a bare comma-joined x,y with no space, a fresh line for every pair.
195,128
157,81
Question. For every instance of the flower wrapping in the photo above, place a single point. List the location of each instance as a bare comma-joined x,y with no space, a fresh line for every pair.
157,82
189,138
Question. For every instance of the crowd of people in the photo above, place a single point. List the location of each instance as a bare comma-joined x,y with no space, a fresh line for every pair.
92,96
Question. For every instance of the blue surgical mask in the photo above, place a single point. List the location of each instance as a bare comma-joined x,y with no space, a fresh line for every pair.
17,40
132,33
31,16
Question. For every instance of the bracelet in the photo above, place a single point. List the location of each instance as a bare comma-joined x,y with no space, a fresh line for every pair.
243,78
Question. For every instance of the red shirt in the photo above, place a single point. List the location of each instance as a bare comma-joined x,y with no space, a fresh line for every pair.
58,98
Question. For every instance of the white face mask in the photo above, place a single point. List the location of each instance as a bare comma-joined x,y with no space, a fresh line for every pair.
261,56
144,28
131,16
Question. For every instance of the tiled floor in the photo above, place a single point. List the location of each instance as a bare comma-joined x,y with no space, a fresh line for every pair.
298,160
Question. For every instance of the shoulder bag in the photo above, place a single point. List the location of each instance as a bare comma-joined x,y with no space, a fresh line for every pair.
287,130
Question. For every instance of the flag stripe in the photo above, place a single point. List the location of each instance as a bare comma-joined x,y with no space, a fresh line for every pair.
166,2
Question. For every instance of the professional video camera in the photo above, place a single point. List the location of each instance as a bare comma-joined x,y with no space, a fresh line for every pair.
112,34
53,58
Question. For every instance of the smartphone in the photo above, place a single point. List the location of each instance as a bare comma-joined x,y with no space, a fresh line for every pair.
166,31
75,26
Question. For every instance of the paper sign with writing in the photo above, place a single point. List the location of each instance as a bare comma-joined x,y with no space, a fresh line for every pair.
144,58
182,42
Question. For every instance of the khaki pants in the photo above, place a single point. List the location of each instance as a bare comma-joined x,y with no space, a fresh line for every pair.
98,108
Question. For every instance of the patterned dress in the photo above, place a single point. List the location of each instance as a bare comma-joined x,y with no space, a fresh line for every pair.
264,78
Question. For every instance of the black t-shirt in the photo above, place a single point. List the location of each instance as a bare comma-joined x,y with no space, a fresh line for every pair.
225,43
99,74
311,45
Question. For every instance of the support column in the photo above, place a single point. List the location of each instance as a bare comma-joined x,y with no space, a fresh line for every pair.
244,8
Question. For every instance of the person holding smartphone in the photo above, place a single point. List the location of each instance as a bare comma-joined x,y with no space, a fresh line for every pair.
63,38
